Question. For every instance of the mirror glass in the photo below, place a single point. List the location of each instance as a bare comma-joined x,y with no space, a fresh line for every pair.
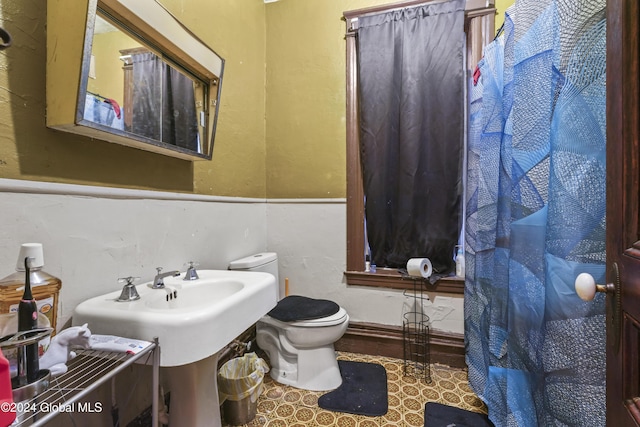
132,87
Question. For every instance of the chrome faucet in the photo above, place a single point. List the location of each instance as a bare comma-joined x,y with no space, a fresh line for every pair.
158,281
191,273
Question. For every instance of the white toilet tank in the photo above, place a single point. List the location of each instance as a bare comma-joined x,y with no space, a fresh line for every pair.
266,262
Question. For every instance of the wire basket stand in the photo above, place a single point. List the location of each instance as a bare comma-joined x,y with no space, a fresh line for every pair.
415,334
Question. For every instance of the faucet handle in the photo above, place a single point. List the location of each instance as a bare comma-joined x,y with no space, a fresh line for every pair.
128,280
129,292
191,273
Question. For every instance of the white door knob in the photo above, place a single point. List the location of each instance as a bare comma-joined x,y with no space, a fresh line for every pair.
585,286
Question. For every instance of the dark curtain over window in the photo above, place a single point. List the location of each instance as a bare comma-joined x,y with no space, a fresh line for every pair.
147,95
179,118
410,65
163,102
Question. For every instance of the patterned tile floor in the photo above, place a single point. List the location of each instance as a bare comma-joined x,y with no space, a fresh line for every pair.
284,406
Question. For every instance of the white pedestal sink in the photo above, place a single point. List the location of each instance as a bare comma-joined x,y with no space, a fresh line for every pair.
193,321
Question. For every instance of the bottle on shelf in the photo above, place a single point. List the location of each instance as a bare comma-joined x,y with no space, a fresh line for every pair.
45,289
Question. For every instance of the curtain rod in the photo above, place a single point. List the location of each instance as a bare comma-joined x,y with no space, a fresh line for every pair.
470,5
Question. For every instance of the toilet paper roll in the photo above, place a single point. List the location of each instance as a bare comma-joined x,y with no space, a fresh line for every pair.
419,267
31,250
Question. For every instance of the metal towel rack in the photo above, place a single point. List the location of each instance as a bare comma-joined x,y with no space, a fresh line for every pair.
86,372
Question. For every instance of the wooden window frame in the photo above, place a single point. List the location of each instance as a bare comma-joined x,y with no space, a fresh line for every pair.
479,28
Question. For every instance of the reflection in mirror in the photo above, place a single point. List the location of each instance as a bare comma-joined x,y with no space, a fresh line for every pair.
132,89
147,90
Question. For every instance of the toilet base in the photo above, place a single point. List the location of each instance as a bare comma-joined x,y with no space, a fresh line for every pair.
302,353
317,370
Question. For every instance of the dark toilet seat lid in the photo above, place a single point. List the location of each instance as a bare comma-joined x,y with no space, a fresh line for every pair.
296,307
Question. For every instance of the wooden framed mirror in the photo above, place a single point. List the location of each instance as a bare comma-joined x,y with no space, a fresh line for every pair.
145,80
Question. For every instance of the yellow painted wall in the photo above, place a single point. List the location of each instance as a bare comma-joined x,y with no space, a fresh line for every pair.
306,97
501,6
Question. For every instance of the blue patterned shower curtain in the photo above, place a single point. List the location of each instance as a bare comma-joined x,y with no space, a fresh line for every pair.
536,217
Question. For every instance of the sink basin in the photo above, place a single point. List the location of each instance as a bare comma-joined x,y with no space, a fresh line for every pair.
191,319
198,296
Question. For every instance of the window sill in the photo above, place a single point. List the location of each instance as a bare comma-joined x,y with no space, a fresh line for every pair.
391,279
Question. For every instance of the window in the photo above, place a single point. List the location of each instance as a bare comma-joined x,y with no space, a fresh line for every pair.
479,30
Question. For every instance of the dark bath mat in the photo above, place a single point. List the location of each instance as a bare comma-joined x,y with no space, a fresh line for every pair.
363,390
296,307
439,415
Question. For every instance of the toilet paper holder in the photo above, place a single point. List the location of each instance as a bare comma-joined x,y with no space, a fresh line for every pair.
416,333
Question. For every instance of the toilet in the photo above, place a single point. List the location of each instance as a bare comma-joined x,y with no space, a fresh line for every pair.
301,351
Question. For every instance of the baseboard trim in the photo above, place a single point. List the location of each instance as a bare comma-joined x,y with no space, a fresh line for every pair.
384,340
